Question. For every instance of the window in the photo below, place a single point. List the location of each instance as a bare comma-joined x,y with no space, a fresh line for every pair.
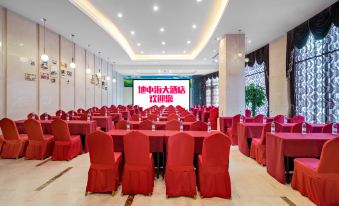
208,92
256,75
215,92
317,78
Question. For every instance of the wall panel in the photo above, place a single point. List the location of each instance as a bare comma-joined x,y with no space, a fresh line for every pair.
66,81
97,91
89,85
80,78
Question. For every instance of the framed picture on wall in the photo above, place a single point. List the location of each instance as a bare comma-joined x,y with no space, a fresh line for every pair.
53,81
44,66
44,76
69,73
30,77
63,73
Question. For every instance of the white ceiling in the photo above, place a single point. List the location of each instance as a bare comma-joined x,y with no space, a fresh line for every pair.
261,20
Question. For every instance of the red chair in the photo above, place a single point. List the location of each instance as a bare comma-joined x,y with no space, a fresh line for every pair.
172,117
172,125
198,126
214,114
213,176
72,113
40,146
104,174
138,176
81,111
328,128
297,128
258,145
32,116
189,118
259,118
64,117
122,124
319,179
66,146
14,145
179,176
134,117
145,125
59,113
2,140
45,116
248,113
297,119
280,118
232,132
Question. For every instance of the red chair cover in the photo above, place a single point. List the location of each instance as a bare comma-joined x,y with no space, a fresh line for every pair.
179,176
59,113
138,176
40,146
297,119
328,128
198,126
32,116
297,128
213,176
104,174
259,118
258,146
173,125
66,146
319,179
122,124
2,140
145,125
81,111
214,114
43,116
14,145
72,113
172,117
232,132
248,113
189,118
134,117
280,118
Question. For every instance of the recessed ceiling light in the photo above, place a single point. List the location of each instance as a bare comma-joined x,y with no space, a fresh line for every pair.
249,41
188,42
199,1
194,26
218,38
138,44
163,43
120,15
132,32
141,52
155,8
184,51
163,52
162,29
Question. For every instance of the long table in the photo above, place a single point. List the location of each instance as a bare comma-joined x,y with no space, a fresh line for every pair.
104,122
160,125
282,146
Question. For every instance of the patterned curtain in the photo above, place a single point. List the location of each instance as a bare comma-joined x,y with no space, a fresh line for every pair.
215,92
208,92
316,78
256,74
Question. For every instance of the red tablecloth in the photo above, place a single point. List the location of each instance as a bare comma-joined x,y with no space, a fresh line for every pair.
116,117
76,127
226,122
279,145
160,125
158,137
104,122
125,114
245,131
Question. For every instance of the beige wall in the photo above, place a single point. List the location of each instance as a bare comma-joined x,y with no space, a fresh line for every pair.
279,94
21,48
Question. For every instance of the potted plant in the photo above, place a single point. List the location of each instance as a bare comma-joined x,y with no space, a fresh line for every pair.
254,97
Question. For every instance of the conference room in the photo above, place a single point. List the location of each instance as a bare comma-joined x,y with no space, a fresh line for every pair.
169,102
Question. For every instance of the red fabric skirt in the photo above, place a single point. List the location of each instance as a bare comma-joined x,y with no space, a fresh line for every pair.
258,151
180,181
40,149
67,150
14,148
234,138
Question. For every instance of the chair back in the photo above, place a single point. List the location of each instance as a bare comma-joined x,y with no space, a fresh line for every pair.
328,128
81,111
297,128
60,130
9,130
329,161
216,150
259,118
280,118
198,126
59,113
297,119
34,130
122,124
235,121
267,128
180,150
64,117
101,148
136,148
134,117
72,113
189,118
248,113
43,116
214,113
173,125
32,116
146,125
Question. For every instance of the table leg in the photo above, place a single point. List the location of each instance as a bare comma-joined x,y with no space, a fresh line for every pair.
158,164
287,169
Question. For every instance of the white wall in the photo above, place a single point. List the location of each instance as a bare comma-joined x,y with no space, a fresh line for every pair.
128,95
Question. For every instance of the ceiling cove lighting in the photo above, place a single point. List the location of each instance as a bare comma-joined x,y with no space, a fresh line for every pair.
72,64
214,16
44,57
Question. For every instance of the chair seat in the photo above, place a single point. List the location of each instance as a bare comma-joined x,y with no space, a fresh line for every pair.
256,141
310,163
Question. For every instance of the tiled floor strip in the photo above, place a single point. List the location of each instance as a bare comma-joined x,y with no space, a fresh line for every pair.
53,179
41,163
288,201
129,200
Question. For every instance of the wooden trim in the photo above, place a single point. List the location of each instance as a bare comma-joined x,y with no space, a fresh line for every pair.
4,58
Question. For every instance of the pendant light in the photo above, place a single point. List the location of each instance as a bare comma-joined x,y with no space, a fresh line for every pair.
88,70
114,78
44,57
99,73
72,64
